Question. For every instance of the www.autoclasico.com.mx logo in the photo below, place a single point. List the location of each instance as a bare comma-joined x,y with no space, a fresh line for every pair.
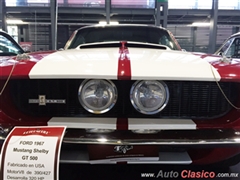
182,174
189,174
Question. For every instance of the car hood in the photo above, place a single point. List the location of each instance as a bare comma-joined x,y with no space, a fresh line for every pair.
104,63
114,63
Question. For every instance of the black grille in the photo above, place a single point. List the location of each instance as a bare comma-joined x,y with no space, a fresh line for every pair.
188,99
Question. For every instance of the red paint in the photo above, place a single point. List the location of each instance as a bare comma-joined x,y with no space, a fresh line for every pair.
124,64
122,124
229,71
42,131
11,116
22,120
231,120
21,68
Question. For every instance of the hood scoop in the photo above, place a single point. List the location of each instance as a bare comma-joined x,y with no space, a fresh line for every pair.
117,44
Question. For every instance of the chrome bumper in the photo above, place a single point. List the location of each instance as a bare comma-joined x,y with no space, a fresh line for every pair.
201,137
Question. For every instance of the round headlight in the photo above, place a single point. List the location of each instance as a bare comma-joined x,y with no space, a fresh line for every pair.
97,96
149,97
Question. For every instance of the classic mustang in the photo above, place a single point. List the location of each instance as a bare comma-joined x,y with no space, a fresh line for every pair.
128,94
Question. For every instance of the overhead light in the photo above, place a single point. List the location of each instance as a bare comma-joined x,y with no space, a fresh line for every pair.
111,22
15,21
200,24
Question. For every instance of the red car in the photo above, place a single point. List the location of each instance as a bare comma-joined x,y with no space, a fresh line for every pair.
127,93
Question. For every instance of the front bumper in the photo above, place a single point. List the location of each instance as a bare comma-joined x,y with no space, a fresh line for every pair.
196,138
201,146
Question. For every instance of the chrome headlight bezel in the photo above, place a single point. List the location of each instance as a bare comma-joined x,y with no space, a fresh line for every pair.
111,90
136,102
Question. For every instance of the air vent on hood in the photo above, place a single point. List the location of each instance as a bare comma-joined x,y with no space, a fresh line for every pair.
119,44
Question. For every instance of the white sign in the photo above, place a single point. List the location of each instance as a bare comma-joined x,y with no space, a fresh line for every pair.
32,153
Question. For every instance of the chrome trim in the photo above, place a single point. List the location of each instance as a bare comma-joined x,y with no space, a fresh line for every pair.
81,157
2,137
207,137
96,130
178,142
212,137
145,131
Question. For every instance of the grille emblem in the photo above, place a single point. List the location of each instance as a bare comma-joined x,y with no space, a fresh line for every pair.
42,101
122,149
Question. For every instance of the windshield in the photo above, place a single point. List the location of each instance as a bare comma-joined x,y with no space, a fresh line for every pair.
143,34
8,47
231,48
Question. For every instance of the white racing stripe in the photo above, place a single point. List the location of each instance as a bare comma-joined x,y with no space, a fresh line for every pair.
84,123
162,124
145,64
170,65
133,124
78,63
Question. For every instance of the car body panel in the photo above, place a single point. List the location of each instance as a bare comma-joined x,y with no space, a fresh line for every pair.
84,64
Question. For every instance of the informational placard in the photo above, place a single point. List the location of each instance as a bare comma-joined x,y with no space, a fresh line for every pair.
32,153
27,46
